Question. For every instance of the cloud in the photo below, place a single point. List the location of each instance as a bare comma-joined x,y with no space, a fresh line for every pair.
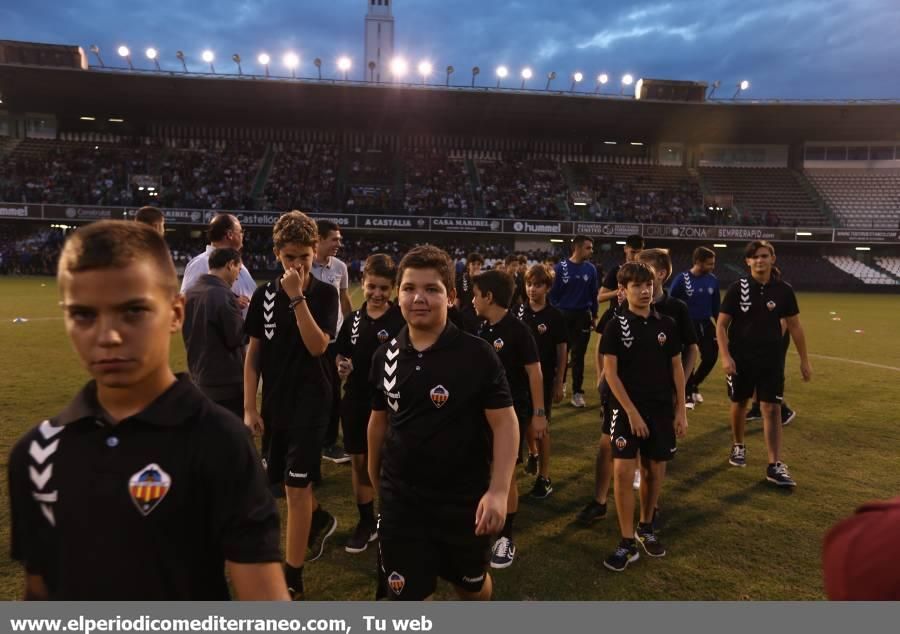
608,37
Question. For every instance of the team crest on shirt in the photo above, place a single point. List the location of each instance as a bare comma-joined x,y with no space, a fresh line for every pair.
439,396
383,335
585,277
542,329
770,305
621,443
498,344
396,582
148,487
661,338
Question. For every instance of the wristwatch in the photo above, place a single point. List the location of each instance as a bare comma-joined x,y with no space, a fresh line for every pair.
297,300
540,412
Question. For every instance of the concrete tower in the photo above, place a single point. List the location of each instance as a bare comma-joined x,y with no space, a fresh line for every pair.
379,40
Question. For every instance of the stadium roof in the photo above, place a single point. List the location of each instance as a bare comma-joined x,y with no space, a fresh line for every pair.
143,97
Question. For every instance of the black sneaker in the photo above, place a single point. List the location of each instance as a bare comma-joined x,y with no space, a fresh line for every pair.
542,488
738,456
778,474
323,526
336,454
755,413
647,539
591,513
787,415
362,535
531,465
626,553
503,553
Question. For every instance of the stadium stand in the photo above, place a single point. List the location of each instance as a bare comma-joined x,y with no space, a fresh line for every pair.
641,193
889,264
434,184
862,271
522,188
861,198
26,250
302,178
764,196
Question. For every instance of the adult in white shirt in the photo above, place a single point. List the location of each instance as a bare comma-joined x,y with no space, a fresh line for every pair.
329,269
225,232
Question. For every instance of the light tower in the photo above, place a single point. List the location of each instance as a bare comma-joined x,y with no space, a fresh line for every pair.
379,34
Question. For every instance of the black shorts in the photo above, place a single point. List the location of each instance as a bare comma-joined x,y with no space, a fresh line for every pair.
763,376
416,546
355,411
524,412
293,455
660,446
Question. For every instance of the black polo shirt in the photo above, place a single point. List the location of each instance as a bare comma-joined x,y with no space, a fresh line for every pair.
611,282
548,329
514,344
438,444
644,348
756,312
680,313
292,378
358,340
146,509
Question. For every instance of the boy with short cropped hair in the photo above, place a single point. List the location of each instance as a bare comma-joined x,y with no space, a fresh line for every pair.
442,440
642,364
104,495
290,323
514,344
549,331
378,321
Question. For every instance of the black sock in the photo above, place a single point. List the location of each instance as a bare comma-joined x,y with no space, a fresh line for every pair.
646,527
293,577
508,526
596,503
628,541
772,465
367,513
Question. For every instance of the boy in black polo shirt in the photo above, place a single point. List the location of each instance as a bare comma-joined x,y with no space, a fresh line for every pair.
549,331
442,442
642,364
364,331
749,331
514,344
104,496
290,322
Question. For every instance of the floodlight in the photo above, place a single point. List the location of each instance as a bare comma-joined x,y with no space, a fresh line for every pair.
425,69
344,65
291,61
526,75
208,57
399,67
124,52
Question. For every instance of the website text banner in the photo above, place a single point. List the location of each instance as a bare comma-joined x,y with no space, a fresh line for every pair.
865,235
84,213
447,618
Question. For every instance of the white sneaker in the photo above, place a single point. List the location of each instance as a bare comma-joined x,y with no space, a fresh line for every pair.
578,400
637,479
698,397
689,405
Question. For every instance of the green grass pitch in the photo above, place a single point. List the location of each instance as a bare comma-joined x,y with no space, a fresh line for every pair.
729,535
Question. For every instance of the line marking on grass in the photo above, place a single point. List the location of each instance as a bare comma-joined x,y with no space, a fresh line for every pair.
865,363
30,319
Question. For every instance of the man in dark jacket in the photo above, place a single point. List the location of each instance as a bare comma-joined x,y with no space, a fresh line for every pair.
213,332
